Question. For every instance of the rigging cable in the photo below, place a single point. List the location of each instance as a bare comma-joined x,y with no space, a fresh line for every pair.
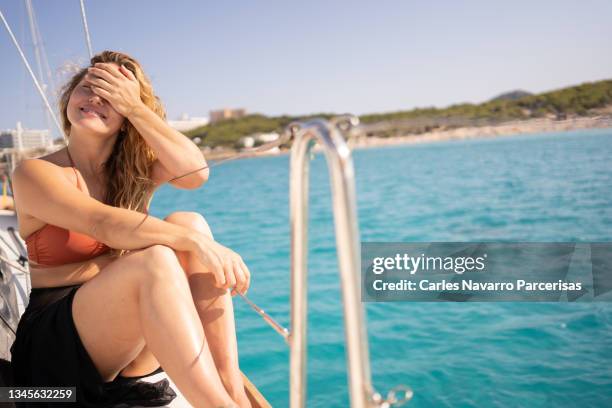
36,83
285,137
37,48
86,28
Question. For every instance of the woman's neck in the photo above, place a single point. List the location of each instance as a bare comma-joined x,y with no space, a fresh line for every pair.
89,153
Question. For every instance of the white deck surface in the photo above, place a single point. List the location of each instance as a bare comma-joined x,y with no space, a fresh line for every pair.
8,219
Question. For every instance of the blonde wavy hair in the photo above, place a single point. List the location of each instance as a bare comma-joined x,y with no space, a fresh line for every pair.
128,168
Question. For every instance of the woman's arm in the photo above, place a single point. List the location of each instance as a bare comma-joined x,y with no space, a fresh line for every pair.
177,155
127,229
42,191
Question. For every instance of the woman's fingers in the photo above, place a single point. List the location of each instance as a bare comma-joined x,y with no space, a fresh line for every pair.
105,75
102,93
100,83
220,276
247,274
110,68
230,277
216,266
227,266
241,279
129,74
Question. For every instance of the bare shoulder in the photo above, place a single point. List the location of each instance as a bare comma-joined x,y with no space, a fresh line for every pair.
51,165
30,172
28,178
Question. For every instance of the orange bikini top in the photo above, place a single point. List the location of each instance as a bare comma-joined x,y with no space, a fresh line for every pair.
52,245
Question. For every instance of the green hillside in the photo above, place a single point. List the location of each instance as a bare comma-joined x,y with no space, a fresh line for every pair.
577,100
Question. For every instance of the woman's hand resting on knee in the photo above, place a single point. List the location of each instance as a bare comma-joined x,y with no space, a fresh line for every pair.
227,266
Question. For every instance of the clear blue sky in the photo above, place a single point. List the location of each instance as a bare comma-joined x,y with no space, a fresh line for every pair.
277,57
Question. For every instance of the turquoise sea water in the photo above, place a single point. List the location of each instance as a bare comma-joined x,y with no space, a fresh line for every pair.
547,187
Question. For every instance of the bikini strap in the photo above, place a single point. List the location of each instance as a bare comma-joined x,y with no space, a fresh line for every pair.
73,168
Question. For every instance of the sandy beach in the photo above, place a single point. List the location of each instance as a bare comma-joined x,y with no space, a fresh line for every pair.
521,127
503,129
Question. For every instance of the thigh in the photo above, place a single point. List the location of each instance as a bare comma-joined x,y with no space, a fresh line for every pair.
143,365
106,313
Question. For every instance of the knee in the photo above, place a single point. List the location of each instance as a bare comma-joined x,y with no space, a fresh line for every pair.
190,219
159,262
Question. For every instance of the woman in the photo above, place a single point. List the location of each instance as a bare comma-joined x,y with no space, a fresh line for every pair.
116,292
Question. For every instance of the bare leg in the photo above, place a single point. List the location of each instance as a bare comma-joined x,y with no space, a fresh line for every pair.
137,299
216,311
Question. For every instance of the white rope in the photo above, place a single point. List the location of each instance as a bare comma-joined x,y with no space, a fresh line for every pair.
86,28
242,155
36,83
284,332
35,41
51,88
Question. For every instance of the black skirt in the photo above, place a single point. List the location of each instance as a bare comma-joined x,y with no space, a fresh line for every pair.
48,351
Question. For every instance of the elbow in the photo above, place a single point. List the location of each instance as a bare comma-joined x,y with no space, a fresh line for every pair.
203,176
200,177
204,173
197,179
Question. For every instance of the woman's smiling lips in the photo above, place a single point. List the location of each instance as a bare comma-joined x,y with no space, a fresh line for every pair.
92,112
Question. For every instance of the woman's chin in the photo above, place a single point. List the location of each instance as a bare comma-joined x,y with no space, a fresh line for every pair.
93,126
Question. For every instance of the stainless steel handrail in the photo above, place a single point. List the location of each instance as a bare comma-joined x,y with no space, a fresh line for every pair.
342,177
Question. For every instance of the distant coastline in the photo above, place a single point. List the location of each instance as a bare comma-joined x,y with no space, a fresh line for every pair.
510,128
517,127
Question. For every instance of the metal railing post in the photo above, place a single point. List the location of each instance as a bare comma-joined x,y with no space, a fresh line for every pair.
342,177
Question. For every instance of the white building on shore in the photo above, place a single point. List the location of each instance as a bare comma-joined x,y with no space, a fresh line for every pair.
21,138
257,139
186,123
226,113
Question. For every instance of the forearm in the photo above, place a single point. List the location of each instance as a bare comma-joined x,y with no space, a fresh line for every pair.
175,151
126,229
